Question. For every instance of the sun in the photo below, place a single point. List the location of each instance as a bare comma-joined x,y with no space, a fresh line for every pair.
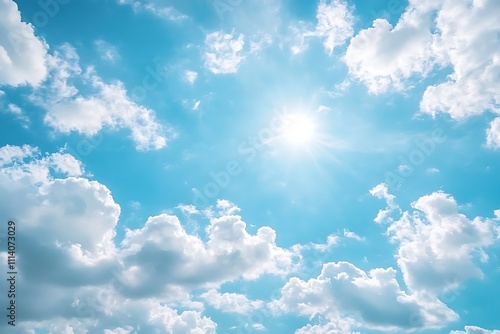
299,129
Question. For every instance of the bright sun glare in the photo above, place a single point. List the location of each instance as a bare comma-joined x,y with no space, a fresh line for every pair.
298,129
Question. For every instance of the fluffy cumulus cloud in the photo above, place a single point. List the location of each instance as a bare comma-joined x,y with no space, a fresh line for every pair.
461,36
468,40
383,56
108,106
231,302
340,326
50,202
22,54
106,311
335,23
10,154
438,247
345,294
149,315
68,224
162,255
334,26
475,330
224,52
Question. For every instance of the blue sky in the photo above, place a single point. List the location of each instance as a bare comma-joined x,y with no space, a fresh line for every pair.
234,166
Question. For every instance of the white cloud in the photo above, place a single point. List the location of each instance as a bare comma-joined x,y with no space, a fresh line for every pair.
259,42
433,170
335,326
342,87
110,105
19,114
300,33
335,23
334,26
403,168
351,235
156,8
230,252
136,205
493,134
469,42
258,327
90,284
141,282
231,302
66,164
438,246
104,309
190,76
196,105
118,330
161,317
106,51
331,241
384,57
223,52
22,54
10,154
382,191
374,300
323,109
12,108
168,13
64,67
69,224
475,330
461,36
188,209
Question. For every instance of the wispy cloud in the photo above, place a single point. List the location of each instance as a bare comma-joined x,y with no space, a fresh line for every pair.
106,51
